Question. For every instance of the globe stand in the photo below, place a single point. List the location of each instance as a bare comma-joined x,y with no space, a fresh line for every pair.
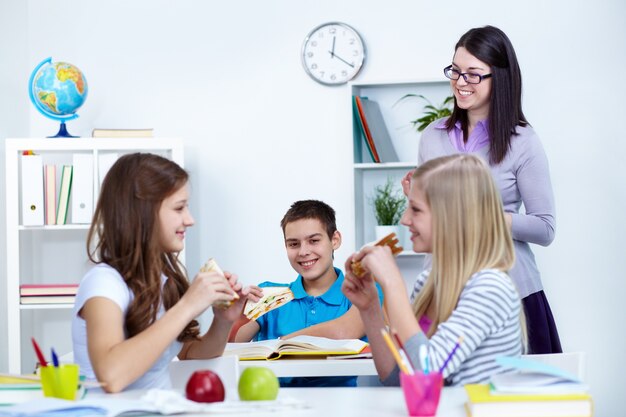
63,133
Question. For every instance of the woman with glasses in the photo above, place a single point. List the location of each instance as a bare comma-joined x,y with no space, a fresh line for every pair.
488,121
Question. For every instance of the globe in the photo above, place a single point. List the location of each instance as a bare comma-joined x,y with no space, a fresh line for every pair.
58,90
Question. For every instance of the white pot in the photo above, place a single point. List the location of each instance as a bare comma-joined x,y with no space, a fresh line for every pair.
382,231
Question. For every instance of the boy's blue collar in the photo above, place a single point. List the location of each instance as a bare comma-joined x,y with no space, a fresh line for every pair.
333,296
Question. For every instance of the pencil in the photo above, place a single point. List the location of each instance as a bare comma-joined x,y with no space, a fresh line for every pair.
394,351
402,351
454,349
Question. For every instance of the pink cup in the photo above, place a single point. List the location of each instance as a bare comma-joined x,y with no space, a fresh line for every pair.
421,392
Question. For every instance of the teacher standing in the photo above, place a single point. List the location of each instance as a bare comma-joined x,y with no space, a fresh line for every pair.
488,121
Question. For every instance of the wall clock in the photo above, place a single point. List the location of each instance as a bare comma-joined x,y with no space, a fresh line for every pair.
333,53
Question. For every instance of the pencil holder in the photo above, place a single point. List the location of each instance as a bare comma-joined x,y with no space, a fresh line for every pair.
60,381
421,392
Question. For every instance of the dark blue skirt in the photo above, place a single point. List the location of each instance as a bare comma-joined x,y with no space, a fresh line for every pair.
542,334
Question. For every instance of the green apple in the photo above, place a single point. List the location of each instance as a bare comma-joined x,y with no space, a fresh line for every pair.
258,383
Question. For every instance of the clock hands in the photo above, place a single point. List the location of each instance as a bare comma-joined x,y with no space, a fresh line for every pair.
333,55
342,60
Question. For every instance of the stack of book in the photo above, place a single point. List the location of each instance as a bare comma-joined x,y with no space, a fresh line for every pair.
533,389
48,293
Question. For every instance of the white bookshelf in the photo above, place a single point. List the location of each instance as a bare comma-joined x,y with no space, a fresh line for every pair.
53,253
367,175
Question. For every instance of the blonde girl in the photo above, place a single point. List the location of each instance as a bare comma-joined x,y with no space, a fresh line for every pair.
454,213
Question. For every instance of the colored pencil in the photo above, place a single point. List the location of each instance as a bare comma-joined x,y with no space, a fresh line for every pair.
394,351
454,349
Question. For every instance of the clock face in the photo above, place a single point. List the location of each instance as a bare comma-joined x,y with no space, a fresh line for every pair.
333,53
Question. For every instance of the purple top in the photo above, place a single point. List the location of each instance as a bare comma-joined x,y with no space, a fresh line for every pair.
477,139
522,177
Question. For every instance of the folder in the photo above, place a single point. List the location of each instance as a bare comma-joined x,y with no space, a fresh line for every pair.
105,161
32,190
64,194
82,188
378,130
50,193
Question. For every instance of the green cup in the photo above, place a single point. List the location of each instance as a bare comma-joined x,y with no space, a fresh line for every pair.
60,381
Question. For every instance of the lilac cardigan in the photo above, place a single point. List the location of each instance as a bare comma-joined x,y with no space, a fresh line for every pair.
522,177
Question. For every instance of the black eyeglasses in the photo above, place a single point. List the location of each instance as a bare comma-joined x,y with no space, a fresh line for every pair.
469,77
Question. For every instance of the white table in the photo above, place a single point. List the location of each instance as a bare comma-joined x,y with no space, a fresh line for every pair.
316,367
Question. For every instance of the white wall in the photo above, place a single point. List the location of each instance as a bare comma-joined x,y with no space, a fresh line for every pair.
260,134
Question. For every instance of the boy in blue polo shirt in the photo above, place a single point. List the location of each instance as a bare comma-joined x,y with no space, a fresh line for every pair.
319,308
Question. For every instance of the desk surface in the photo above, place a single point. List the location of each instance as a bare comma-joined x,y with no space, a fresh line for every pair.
315,367
348,402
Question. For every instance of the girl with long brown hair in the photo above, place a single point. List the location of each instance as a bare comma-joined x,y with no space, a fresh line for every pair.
135,309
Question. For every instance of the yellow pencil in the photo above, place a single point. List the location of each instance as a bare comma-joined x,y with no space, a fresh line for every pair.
394,351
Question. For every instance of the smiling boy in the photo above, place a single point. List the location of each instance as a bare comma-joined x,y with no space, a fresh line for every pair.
319,308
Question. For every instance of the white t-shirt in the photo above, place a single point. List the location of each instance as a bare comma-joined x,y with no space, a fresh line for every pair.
104,281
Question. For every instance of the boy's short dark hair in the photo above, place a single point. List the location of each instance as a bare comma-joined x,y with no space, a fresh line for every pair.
311,209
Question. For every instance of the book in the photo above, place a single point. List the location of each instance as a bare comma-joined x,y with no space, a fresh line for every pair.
82,188
378,131
64,194
48,289
32,190
273,297
50,193
47,299
482,403
296,346
531,376
365,129
15,390
122,133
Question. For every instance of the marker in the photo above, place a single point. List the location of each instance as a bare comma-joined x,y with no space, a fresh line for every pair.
40,357
55,358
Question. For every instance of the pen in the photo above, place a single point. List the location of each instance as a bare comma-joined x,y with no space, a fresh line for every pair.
40,357
402,351
394,351
55,358
456,346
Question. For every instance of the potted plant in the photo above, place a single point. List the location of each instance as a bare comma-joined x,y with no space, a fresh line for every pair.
430,111
389,204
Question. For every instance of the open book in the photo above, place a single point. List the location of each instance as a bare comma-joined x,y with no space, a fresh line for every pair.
273,297
296,346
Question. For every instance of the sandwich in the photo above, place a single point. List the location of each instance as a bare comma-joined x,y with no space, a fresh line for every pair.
273,297
212,266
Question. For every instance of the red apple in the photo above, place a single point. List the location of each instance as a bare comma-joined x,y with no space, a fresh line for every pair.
205,386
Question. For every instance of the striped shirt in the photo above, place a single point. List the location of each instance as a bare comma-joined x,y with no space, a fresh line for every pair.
487,316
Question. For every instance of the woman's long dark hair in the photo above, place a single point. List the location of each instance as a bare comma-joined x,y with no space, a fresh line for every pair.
125,231
491,45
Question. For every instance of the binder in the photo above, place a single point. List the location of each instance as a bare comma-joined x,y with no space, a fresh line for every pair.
82,188
105,161
50,193
64,194
32,190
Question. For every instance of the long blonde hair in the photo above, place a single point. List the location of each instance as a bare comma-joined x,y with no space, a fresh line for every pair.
469,232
